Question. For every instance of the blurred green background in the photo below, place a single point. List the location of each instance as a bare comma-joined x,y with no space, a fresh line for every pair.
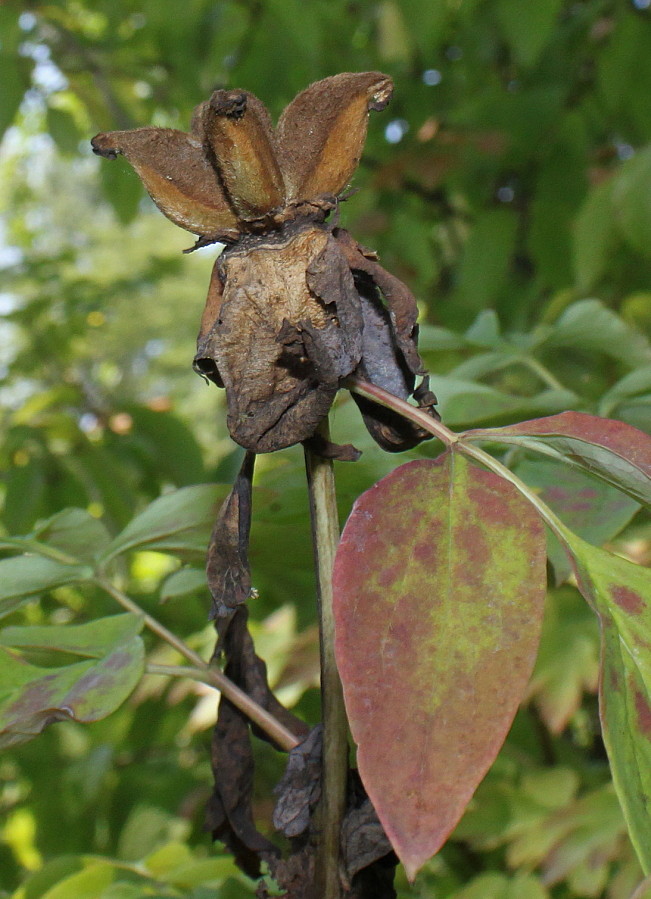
509,184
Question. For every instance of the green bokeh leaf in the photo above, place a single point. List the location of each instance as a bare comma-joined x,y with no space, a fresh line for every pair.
591,327
32,697
92,640
23,577
568,661
527,26
595,236
178,522
632,201
183,582
439,584
76,533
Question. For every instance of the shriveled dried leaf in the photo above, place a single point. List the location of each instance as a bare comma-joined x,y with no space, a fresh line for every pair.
401,303
177,175
227,567
240,134
300,788
363,839
229,814
321,133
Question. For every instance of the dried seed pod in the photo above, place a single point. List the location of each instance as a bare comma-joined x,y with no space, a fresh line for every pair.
239,131
321,134
277,344
177,175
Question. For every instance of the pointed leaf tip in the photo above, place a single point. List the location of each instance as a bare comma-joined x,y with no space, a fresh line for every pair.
438,610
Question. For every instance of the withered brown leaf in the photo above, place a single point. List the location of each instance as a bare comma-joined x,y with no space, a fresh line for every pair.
295,305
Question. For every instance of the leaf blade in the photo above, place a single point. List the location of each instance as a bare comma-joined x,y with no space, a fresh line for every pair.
391,621
611,450
33,697
620,592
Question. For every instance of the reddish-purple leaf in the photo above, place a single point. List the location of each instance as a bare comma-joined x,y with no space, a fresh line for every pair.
613,451
439,584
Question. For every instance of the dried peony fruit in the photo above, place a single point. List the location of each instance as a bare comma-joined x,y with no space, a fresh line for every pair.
295,305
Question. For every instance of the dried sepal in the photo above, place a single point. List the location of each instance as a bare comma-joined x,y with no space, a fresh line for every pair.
177,175
210,315
238,130
321,134
400,301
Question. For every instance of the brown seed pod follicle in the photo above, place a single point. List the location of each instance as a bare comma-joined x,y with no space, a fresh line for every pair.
238,129
321,133
176,174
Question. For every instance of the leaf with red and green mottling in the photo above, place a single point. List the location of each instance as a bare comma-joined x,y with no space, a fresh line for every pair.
613,451
32,697
589,507
620,592
439,582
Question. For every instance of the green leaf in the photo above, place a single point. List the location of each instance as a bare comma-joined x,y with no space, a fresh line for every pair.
432,338
485,330
632,201
439,582
183,582
177,522
122,189
39,882
32,697
486,258
86,884
613,451
74,532
620,592
568,661
25,495
634,384
593,328
14,81
499,886
595,236
170,443
63,130
23,577
92,640
528,26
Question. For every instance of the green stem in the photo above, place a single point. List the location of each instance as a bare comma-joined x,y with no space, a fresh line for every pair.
209,675
325,535
542,371
450,438
402,407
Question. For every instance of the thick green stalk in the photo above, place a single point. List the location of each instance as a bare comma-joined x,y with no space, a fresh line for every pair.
325,534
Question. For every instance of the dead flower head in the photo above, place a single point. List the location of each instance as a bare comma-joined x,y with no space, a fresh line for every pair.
295,305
